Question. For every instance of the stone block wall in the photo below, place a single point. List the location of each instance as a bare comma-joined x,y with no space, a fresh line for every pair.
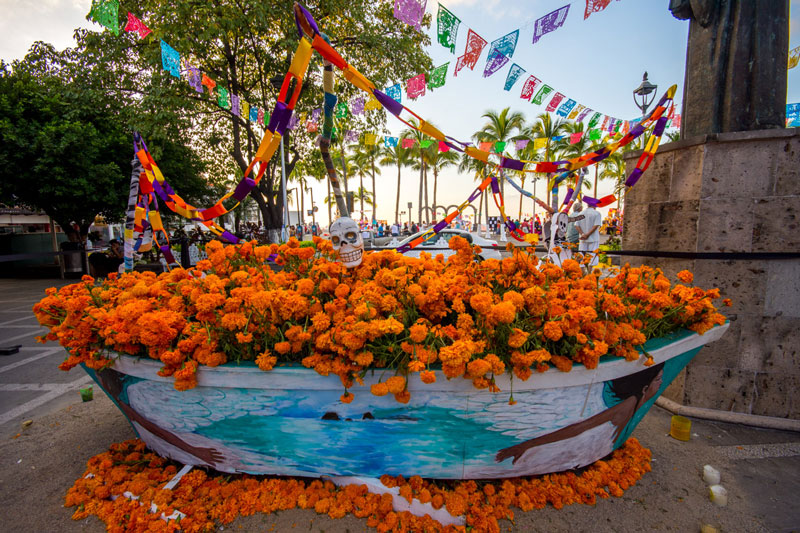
733,192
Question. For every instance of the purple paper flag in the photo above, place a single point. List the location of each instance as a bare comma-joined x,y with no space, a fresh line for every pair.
410,11
551,21
194,78
494,62
235,104
356,106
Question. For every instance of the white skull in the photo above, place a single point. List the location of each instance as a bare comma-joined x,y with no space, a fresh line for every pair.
346,239
562,219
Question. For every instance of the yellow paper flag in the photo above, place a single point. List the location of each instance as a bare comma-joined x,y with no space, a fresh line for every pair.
539,142
372,103
370,138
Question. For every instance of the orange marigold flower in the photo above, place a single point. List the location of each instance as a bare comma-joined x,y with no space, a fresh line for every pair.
403,396
266,361
552,331
379,389
418,333
685,276
517,338
347,397
427,377
727,302
396,384
283,347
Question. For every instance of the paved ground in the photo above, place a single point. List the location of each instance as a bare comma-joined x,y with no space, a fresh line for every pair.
38,463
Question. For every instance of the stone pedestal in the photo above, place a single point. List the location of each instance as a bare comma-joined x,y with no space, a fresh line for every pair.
730,192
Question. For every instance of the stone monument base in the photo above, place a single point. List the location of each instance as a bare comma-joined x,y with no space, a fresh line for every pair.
730,192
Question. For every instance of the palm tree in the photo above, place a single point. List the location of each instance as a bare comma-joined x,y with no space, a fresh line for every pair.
396,155
366,154
614,169
477,167
419,155
546,127
359,165
439,161
501,127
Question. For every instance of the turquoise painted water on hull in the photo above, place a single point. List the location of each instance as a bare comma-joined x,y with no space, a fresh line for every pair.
390,444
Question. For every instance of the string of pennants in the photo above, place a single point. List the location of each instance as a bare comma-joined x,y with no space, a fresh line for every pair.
500,52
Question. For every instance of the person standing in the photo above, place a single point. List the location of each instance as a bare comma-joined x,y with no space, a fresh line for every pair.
589,231
573,238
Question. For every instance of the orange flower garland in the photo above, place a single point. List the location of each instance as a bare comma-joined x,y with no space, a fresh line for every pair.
206,500
400,314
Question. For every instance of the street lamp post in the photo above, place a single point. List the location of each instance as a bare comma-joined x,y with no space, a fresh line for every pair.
643,96
409,215
313,208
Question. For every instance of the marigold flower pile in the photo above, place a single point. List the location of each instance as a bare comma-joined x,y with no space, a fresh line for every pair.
407,316
207,500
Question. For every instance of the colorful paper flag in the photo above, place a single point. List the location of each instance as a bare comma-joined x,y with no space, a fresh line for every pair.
222,98
350,136
254,114
372,103
575,112
134,24
551,21
794,57
426,143
447,28
106,13
341,110
194,77
311,126
521,144
542,94
260,120
293,122
395,92
575,137
370,138
499,147
500,51
415,87
356,107
582,114
594,120
235,104
485,146
539,143
554,101
407,143
438,76
604,126
566,107
170,59
443,147
494,62
593,6
410,11
390,142
475,45
530,87
513,75
208,82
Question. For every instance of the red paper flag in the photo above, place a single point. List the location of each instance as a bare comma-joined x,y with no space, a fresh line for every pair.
134,24
554,101
443,147
530,87
475,45
593,6
407,143
415,87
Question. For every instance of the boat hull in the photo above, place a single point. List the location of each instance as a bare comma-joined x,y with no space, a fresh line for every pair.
291,421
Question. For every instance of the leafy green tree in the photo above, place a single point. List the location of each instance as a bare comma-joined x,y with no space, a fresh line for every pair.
67,148
478,169
545,127
502,127
246,46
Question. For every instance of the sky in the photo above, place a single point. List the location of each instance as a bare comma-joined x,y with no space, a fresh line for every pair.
598,62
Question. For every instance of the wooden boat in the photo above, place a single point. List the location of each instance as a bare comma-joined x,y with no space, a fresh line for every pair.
290,421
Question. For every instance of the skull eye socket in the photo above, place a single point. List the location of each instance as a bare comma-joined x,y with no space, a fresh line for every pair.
335,240
350,235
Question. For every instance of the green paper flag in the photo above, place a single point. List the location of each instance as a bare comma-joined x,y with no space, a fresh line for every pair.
106,13
542,94
222,98
499,147
447,28
438,76
594,135
341,110
426,143
594,120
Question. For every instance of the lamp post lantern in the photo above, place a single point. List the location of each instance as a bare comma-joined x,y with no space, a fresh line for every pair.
642,92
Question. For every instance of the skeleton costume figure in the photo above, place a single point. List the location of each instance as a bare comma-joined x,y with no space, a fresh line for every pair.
347,241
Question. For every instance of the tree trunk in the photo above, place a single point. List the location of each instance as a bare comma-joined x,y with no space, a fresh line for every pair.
361,193
522,186
374,197
435,185
427,205
595,181
421,183
330,217
397,201
480,210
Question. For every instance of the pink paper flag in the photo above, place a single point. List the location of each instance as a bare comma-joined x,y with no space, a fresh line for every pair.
575,137
134,24
415,87
443,147
530,87
486,146
407,143
410,11
554,101
521,144
475,45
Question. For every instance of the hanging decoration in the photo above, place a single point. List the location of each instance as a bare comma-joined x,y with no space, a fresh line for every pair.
500,51
134,24
554,101
792,115
356,106
415,87
438,76
410,12
542,95
170,59
475,45
575,112
550,22
593,6
513,75
340,111
447,28
530,87
194,78
794,57
106,13
582,114
565,108
395,93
